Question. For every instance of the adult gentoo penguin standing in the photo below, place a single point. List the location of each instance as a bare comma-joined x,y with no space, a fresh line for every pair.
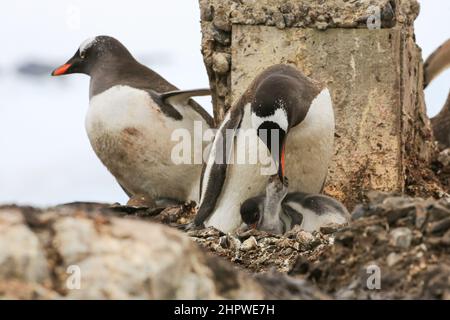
299,111
132,114
436,63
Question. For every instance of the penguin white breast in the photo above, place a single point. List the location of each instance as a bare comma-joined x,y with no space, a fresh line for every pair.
132,137
244,179
309,146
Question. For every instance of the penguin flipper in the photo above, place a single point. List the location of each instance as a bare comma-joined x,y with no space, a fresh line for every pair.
183,98
436,63
214,173
296,217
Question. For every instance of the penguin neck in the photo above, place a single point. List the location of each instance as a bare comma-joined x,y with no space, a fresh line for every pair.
272,210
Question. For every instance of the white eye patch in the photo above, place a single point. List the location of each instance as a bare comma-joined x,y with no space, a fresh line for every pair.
279,117
86,44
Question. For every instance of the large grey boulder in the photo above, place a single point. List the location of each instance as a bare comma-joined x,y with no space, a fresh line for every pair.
89,252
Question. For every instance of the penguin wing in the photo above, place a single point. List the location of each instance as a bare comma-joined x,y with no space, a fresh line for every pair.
183,98
436,63
214,171
296,217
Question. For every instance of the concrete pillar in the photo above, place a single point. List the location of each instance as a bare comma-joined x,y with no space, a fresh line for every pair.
363,50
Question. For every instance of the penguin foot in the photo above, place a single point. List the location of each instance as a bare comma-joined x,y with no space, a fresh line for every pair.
140,200
138,211
139,204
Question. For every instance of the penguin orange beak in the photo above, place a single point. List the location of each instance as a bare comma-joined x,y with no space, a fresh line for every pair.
61,70
281,165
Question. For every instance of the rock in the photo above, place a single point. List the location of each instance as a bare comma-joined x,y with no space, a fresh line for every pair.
249,244
439,227
393,258
304,237
22,255
230,242
444,157
438,211
221,19
321,25
401,237
222,37
221,62
43,253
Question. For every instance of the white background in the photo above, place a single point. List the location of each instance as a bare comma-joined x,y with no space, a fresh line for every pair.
45,156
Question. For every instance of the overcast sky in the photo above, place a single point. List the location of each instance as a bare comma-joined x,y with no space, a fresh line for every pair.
45,156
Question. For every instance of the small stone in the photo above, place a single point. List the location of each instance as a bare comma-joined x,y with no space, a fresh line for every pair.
278,18
304,237
286,7
444,157
393,258
438,212
446,239
223,242
321,25
401,237
207,13
221,62
222,37
421,217
249,244
346,294
229,242
289,19
337,21
439,227
222,23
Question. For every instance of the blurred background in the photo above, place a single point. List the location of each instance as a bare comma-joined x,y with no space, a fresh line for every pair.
45,155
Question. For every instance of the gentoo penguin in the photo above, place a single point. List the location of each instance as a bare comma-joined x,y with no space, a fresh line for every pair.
282,113
438,61
132,114
279,211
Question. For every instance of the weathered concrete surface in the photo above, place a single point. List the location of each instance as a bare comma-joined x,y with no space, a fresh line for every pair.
375,78
218,17
117,258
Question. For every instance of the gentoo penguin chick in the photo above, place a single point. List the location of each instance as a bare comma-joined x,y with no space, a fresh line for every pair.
436,63
132,114
278,212
284,114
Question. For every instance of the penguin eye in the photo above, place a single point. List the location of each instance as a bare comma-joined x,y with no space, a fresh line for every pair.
83,54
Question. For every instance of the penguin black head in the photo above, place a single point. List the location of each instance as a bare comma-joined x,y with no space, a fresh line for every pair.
251,211
93,53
